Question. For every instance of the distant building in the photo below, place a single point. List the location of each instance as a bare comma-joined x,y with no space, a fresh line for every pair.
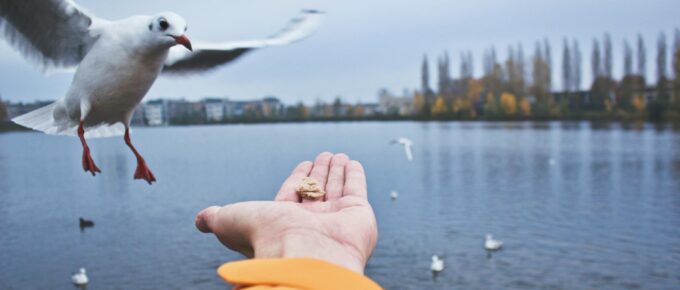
242,109
267,108
370,109
214,109
272,107
155,113
342,110
393,105
138,116
185,112
317,111
235,109
164,112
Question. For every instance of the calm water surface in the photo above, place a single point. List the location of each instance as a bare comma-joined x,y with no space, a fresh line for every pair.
577,206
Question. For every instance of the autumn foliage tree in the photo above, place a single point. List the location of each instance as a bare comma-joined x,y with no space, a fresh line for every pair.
509,104
490,106
626,90
661,61
517,87
439,109
358,111
515,72
541,78
602,83
444,85
298,112
525,107
638,104
419,105
676,69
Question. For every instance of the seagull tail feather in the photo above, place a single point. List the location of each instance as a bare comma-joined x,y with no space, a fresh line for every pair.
51,119
41,119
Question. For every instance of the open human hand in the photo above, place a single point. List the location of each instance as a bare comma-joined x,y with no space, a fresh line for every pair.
340,229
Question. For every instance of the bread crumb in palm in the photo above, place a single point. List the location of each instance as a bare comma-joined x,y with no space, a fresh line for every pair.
309,189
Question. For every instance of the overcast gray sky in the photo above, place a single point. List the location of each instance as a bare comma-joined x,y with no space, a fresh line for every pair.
362,45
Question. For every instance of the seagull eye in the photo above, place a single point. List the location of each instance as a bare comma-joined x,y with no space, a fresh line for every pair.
163,24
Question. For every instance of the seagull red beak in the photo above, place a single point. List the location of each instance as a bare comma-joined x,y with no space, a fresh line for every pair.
183,40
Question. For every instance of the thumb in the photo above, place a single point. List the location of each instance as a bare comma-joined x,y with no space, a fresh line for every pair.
205,218
232,224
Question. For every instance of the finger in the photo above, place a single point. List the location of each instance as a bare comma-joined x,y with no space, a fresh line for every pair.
203,216
355,180
336,176
287,191
232,224
320,171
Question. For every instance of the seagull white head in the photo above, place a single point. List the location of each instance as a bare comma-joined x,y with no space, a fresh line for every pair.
169,29
489,237
82,270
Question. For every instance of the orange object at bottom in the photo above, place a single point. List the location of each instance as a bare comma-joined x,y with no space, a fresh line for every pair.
292,274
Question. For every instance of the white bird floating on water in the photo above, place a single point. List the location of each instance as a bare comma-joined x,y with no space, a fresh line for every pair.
492,245
394,194
115,63
80,278
437,264
408,146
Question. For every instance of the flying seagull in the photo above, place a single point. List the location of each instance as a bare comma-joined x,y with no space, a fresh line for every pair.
408,146
115,63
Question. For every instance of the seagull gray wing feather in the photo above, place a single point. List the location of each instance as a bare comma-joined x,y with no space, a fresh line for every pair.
409,151
52,33
207,56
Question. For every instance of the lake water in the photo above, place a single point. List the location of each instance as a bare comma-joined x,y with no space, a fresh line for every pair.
577,206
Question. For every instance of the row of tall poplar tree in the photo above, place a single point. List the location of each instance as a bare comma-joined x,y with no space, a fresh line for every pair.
521,87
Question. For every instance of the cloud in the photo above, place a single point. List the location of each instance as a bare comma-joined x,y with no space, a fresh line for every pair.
361,47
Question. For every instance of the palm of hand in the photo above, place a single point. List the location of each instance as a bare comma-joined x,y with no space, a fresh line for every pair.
341,229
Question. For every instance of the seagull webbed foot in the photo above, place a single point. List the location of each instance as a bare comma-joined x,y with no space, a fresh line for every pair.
143,172
88,163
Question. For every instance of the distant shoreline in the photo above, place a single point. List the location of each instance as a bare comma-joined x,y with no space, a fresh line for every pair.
12,127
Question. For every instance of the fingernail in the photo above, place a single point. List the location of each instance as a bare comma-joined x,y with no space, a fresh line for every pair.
200,222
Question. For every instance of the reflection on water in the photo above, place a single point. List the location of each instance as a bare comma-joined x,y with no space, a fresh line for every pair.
577,205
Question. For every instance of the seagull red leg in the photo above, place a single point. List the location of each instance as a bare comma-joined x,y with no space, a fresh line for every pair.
88,163
143,171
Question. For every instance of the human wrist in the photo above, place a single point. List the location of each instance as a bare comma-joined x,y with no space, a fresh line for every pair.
308,244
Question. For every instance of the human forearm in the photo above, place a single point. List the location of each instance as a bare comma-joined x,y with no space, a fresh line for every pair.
309,244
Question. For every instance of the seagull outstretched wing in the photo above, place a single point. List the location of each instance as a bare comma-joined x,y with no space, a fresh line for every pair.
52,33
207,56
409,151
408,146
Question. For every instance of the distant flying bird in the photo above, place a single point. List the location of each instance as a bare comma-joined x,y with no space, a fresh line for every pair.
437,264
117,62
79,278
394,195
492,245
408,146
